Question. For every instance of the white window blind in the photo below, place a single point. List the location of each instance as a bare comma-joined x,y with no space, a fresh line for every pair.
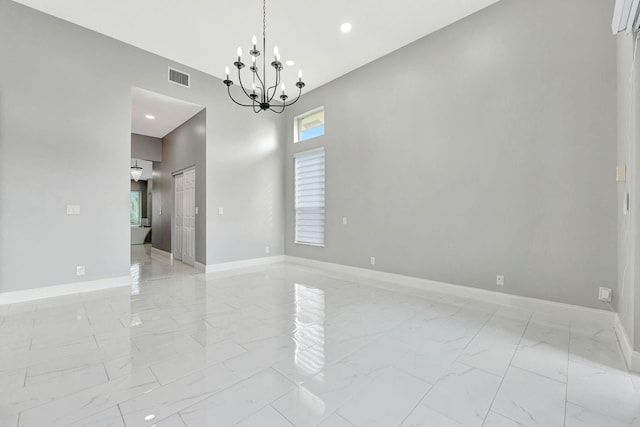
309,197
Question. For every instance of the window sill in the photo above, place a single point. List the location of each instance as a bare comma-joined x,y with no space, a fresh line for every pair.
310,244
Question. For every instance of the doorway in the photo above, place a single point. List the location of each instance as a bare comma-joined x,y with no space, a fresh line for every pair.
184,233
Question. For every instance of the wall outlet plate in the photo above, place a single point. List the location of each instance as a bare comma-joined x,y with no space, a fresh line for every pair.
500,280
604,294
80,270
372,260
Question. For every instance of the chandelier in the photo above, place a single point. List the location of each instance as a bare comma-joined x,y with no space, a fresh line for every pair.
259,95
136,172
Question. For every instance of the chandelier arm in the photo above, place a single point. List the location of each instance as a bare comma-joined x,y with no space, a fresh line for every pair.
261,82
233,99
274,87
242,86
294,101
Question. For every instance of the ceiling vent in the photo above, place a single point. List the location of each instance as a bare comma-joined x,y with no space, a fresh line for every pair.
179,77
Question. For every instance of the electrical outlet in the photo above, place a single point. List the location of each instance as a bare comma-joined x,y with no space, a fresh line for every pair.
80,270
267,250
604,294
500,280
372,260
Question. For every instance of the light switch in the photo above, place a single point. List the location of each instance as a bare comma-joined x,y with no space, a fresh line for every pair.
621,173
344,220
220,211
73,209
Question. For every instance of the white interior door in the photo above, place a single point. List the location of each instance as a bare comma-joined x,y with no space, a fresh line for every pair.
179,216
189,217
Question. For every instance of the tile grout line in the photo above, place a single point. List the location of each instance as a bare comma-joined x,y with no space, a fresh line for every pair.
124,423
566,386
507,371
276,409
417,404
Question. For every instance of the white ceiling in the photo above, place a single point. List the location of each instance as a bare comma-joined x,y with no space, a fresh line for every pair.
204,34
169,113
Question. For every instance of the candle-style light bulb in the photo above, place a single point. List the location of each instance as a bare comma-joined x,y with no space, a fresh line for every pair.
226,71
276,53
254,41
299,75
254,87
239,54
282,87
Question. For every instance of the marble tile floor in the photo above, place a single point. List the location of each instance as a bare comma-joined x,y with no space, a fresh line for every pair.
285,345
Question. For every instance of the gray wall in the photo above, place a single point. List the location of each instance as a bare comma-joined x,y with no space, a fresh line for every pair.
486,148
628,225
182,148
57,70
146,147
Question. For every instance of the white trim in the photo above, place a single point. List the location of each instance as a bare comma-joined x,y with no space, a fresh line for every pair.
305,152
161,254
200,266
65,289
224,266
631,356
568,311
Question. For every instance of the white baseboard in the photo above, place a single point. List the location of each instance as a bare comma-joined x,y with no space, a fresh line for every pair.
200,266
162,254
224,266
631,356
567,311
61,290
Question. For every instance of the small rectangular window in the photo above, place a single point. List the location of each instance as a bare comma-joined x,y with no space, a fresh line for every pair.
309,197
135,207
309,125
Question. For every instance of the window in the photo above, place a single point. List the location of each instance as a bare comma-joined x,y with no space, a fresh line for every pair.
309,197
309,125
135,207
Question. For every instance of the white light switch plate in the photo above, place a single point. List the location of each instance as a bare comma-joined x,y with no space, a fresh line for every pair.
73,209
500,280
220,211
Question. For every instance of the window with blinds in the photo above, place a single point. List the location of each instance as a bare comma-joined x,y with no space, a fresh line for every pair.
309,197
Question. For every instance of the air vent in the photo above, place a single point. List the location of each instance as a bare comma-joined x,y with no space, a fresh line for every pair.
179,77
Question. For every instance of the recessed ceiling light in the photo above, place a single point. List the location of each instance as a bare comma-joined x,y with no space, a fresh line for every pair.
150,117
290,63
149,417
346,27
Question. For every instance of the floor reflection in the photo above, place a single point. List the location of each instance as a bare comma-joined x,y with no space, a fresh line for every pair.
309,332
